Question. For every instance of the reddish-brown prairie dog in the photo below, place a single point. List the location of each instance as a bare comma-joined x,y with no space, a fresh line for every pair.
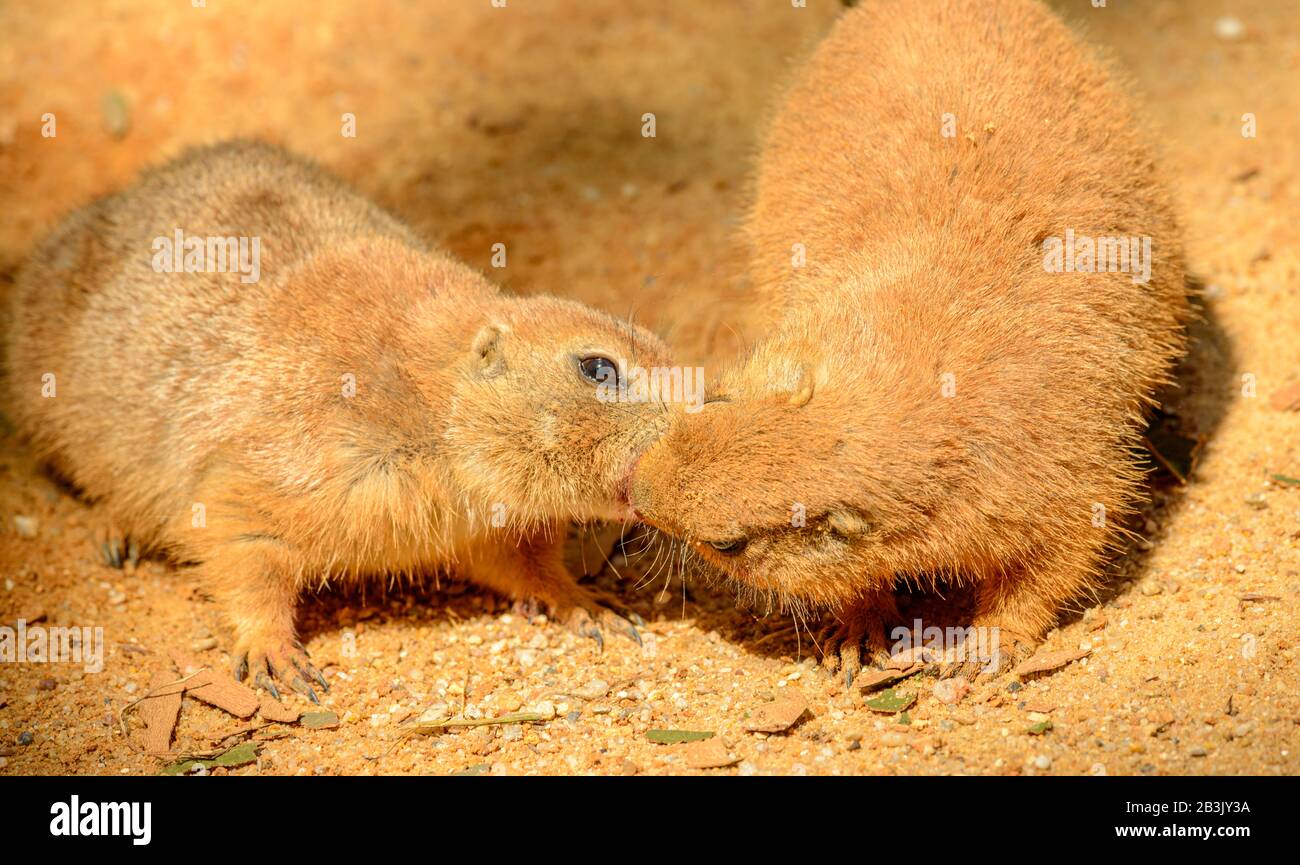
331,400
943,397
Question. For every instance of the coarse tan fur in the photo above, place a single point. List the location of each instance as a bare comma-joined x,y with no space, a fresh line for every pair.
369,407
933,404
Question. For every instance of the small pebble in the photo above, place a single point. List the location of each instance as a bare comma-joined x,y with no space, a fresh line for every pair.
1151,588
950,691
25,738
1197,752
546,709
1229,29
26,527
117,116
436,713
593,690
1258,501
1042,761
204,645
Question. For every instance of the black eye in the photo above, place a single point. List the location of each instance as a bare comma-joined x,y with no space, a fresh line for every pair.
598,370
730,548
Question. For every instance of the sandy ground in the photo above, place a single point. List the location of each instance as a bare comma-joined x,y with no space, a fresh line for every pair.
522,125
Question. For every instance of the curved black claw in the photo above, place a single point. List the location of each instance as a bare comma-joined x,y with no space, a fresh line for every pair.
851,660
308,672
264,681
595,633
117,552
240,672
320,679
304,689
611,611
628,629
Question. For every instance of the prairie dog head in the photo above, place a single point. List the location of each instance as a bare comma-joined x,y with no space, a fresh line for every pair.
539,422
798,480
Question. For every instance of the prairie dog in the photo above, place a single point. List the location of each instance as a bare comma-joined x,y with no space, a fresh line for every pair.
939,399
367,406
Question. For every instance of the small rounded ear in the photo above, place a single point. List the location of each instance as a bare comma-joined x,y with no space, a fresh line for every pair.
848,522
489,354
799,384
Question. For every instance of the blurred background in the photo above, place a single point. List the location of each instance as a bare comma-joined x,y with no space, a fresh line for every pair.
523,125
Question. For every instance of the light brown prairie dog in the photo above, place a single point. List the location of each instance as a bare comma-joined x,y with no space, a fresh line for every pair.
368,406
936,401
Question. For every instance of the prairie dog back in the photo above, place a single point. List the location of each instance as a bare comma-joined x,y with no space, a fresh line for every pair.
937,401
124,342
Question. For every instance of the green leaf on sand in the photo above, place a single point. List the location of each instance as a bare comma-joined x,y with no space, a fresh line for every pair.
117,116
890,701
319,720
677,737
445,723
240,755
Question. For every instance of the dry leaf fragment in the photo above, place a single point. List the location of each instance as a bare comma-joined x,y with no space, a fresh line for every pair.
909,658
1045,662
274,710
160,712
708,754
1286,399
223,692
875,678
779,715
